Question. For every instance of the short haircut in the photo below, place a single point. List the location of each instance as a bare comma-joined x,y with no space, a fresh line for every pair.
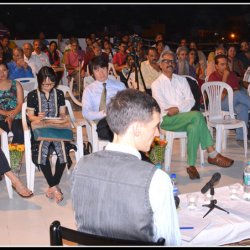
216,58
151,48
129,106
180,49
45,72
5,64
166,52
29,44
98,62
20,50
158,42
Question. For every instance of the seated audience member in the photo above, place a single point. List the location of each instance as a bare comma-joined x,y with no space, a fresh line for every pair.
183,67
89,45
61,44
160,47
30,59
246,81
159,37
11,100
43,42
93,100
129,68
107,49
18,68
244,55
1,54
193,59
7,51
211,65
73,60
41,59
135,197
212,55
150,69
240,98
96,51
235,65
174,96
119,59
17,184
202,59
54,59
48,101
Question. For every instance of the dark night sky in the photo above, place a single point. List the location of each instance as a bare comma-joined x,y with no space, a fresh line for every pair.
26,21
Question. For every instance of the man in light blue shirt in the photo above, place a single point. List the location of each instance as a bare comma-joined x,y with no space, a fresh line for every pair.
18,68
92,95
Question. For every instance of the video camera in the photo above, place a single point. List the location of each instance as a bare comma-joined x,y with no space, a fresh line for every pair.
135,39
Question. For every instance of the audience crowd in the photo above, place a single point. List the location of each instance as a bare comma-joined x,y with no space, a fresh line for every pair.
100,73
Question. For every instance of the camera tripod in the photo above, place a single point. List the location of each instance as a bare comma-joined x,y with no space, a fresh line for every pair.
212,204
137,68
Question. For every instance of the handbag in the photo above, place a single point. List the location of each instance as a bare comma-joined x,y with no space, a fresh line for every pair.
48,131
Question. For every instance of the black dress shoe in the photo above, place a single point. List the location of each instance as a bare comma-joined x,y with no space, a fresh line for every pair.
193,173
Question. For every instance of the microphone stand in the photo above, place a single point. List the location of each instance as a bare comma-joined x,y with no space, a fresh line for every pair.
212,204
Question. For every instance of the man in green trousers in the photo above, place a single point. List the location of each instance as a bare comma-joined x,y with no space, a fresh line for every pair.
174,96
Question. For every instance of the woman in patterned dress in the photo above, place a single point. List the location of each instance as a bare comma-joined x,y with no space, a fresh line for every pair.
48,101
11,99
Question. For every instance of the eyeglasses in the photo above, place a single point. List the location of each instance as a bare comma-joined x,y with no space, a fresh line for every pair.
48,84
192,54
168,61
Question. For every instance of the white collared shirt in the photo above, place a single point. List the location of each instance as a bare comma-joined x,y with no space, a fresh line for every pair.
172,93
166,223
92,96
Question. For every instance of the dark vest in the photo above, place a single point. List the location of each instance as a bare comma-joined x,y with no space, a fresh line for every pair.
110,195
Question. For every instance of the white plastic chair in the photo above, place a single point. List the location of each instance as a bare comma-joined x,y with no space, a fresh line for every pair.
28,84
170,136
87,80
96,143
216,117
30,166
66,90
5,148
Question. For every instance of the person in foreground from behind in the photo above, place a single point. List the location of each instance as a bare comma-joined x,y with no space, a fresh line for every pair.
174,96
17,184
48,101
116,194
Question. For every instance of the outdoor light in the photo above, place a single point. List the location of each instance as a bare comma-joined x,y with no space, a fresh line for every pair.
232,35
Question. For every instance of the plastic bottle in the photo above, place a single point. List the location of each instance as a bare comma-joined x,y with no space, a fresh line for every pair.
246,182
174,182
175,189
158,165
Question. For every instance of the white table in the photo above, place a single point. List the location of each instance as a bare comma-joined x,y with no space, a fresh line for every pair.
220,228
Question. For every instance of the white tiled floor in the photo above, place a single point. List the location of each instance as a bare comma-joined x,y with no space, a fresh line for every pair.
25,222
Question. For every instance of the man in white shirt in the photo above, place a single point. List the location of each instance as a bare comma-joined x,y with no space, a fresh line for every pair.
29,58
150,69
91,99
129,198
174,96
40,58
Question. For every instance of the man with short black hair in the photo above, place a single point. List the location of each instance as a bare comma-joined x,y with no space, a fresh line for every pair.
241,98
93,105
114,193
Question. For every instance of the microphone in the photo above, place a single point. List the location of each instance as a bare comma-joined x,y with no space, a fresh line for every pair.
215,178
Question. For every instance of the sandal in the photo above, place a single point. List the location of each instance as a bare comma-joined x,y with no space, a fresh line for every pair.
22,190
50,193
57,193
